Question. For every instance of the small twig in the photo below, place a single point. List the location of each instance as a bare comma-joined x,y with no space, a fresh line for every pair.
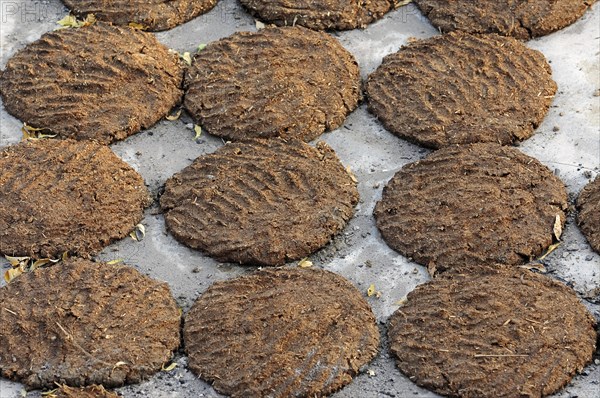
500,355
531,320
72,340
12,312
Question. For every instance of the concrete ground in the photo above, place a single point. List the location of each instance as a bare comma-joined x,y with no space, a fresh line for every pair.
568,142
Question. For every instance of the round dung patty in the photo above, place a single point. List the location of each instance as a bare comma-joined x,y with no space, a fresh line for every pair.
260,202
502,333
286,332
61,196
320,14
93,391
289,82
81,323
477,204
522,19
152,14
98,82
460,88
588,204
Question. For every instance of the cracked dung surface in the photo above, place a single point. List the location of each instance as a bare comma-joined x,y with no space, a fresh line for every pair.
154,14
588,204
60,196
99,82
260,84
498,332
260,202
320,14
471,205
286,332
460,88
523,19
104,324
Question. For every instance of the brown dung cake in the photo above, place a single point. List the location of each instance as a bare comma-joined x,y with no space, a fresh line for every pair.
477,204
588,204
70,196
286,332
523,19
289,82
320,14
93,391
80,323
502,333
99,82
153,15
460,88
261,202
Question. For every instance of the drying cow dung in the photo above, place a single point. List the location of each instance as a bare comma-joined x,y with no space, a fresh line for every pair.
81,323
289,82
70,196
152,15
475,204
287,332
588,205
523,19
99,82
93,391
260,202
498,333
321,14
461,88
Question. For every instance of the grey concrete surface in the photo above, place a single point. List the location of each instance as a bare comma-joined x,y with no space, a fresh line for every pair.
568,142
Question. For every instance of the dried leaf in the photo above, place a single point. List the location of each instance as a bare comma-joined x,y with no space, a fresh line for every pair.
551,248
137,26
371,290
174,116
38,263
12,273
138,233
70,21
536,266
402,3
169,368
305,263
402,301
198,131
115,261
201,47
186,57
50,394
259,25
557,229
119,364
32,133
351,174
17,261
371,372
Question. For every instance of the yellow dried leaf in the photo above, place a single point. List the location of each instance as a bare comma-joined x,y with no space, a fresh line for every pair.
201,47
198,131
169,368
17,261
551,248
536,266
402,301
187,58
119,364
115,261
305,263
32,133
38,263
557,229
174,116
371,290
50,394
12,273
351,174
138,233
70,21
138,26
402,3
